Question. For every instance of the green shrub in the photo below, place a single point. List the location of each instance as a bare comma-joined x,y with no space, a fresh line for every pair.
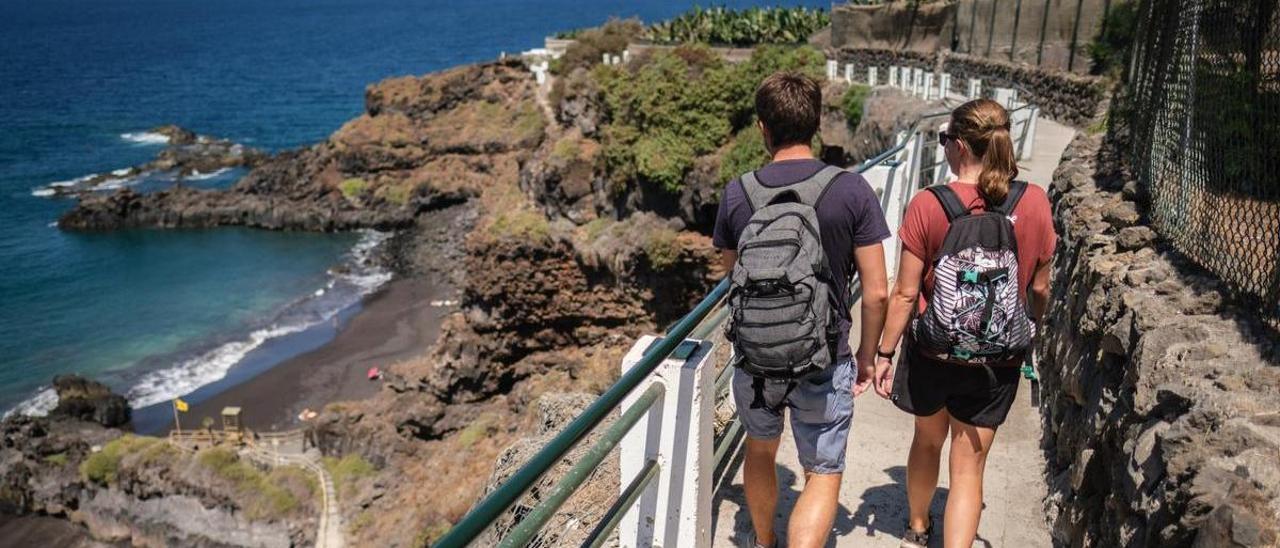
347,470
662,246
746,153
1109,51
56,459
566,149
520,224
260,495
852,103
680,104
398,194
474,432
749,26
352,188
102,467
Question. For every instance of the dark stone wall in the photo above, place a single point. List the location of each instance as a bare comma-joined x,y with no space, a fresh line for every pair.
1003,30
1063,96
1159,399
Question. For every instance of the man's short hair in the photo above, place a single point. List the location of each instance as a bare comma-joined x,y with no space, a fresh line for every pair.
790,104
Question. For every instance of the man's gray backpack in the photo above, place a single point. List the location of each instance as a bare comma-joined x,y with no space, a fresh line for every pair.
783,302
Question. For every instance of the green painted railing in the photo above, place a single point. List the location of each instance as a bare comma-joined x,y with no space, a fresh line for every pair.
497,502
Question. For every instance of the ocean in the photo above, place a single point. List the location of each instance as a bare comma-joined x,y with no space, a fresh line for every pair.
157,314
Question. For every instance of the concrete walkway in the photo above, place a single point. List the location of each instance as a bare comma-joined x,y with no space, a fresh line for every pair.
873,509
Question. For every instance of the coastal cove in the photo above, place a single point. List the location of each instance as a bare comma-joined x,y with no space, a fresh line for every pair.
135,308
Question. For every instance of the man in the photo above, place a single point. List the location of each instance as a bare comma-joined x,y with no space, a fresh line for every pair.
851,227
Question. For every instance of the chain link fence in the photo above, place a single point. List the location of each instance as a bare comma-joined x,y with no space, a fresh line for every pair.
1204,84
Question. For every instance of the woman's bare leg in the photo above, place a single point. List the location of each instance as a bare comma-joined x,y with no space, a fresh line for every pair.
922,466
969,447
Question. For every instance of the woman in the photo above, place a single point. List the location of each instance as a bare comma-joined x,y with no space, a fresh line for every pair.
954,392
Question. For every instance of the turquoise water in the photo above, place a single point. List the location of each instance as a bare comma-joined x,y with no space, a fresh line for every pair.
159,313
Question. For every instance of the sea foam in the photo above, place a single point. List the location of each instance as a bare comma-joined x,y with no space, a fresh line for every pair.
38,405
145,138
360,278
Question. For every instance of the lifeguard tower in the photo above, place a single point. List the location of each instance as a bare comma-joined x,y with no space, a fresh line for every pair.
231,425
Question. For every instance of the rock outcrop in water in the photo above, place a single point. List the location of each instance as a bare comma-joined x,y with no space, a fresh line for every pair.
186,154
83,399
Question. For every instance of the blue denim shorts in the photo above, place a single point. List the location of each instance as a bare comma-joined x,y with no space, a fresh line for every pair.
821,408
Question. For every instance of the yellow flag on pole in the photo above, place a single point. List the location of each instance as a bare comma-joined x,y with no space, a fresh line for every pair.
180,405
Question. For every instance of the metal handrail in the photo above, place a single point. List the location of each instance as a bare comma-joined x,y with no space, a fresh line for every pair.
523,532
492,506
613,516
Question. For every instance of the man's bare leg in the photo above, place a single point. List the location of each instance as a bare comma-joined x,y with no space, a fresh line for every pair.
815,511
760,481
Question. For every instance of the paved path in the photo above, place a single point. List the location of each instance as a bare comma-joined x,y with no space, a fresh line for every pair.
873,506
1051,139
287,448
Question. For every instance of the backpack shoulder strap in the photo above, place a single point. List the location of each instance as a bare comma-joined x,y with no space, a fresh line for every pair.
1016,190
950,201
812,190
757,194
808,191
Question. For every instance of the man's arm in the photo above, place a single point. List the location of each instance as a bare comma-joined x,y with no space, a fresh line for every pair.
727,258
869,260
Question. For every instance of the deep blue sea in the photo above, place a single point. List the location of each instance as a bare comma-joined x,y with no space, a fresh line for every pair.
157,313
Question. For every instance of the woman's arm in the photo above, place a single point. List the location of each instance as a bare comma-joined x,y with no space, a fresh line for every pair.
906,289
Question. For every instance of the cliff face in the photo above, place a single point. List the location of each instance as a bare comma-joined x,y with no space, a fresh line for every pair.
1159,398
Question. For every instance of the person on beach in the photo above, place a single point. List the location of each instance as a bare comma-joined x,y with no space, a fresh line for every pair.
781,265
967,326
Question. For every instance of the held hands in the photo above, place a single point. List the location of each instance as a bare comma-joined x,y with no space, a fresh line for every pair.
883,375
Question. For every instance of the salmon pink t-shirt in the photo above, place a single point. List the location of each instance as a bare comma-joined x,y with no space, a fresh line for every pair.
925,225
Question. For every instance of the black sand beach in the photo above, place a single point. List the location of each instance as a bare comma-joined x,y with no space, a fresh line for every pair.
395,323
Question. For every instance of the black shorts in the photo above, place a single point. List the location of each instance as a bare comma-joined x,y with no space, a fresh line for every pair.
976,395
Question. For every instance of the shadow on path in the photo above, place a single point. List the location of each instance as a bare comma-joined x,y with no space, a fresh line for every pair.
789,489
884,509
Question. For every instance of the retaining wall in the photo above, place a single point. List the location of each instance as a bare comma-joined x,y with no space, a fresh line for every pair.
1065,97
1160,401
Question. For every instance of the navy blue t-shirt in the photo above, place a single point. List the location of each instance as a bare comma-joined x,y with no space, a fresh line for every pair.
849,216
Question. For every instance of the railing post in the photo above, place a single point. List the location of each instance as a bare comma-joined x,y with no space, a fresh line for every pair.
893,76
975,88
944,85
848,73
1005,96
917,78
833,67
677,433
928,86
871,76
943,173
